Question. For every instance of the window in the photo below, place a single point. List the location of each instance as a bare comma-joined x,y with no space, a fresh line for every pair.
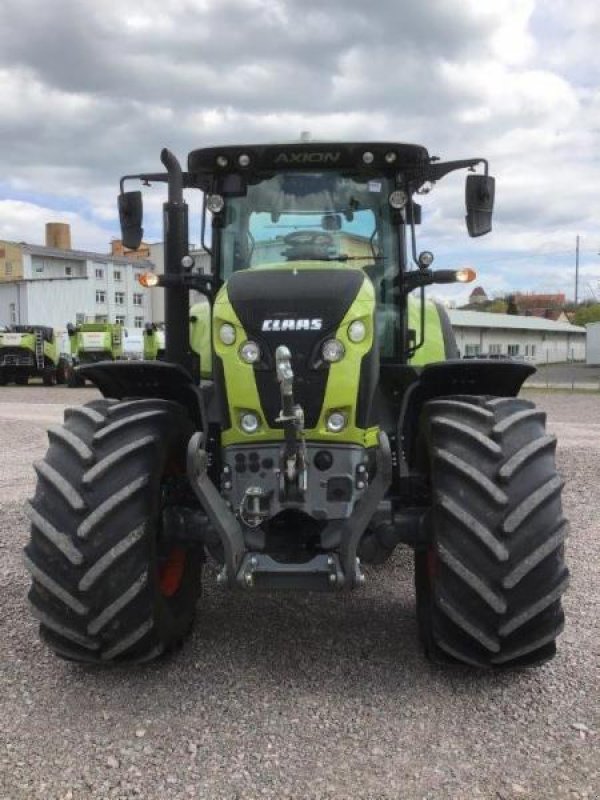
8,269
532,350
39,267
119,298
472,350
120,320
101,318
138,299
100,296
12,311
513,349
138,322
99,273
495,349
79,318
68,271
117,274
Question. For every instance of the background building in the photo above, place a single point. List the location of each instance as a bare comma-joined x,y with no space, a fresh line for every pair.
157,296
53,285
539,340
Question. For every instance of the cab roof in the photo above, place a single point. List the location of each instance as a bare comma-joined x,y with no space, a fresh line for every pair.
388,157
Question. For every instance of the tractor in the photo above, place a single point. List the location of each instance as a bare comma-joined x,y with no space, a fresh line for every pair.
91,342
29,351
317,417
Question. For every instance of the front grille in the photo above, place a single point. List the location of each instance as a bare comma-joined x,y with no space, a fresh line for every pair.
16,357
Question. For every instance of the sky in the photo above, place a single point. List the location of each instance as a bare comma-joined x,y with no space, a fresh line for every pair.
93,90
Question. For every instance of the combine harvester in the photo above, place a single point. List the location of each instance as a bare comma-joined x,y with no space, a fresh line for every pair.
31,351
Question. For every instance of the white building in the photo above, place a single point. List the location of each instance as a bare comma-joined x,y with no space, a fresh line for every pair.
541,341
593,344
157,255
42,285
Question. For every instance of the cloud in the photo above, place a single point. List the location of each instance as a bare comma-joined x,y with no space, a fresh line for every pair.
92,91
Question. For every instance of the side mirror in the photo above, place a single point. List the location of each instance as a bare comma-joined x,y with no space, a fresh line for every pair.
131,213
479,199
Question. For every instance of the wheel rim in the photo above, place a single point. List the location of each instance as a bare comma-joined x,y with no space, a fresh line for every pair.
170,572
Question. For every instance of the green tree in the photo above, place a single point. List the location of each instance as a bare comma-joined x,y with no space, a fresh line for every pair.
587,313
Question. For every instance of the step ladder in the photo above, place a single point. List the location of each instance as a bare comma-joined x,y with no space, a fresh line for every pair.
39,350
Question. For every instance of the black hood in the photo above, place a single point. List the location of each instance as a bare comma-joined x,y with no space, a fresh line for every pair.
298,309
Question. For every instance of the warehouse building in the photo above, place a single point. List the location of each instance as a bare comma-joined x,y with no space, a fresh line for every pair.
535,339
53,284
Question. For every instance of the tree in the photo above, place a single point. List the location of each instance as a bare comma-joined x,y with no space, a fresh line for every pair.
587,313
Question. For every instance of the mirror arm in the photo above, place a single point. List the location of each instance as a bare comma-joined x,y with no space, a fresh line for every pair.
436,171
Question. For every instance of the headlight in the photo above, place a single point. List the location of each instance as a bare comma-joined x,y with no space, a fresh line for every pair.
398,199
227,333
368,157
357,331
244,160
250,352
390,157
336,422
332,351
222,161
215,203
249,423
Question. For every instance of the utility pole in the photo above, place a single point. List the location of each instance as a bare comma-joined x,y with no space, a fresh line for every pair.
577,269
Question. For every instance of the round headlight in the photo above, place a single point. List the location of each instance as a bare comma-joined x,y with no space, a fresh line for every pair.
187,262
215,203
390,157
332,350
336,422
249,423
357,331
425,258
222,161
250,352
244,160
368,157
227,333
398,199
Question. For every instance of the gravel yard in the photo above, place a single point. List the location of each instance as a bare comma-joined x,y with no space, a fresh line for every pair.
293,696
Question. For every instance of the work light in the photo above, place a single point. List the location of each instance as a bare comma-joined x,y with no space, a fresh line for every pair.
332,351
250,352
227,333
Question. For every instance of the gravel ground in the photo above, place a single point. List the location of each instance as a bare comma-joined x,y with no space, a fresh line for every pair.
279,696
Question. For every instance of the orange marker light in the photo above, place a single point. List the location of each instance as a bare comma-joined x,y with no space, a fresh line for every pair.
148,279
465,275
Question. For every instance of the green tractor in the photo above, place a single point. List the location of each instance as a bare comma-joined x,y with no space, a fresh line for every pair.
326,420
92,342
154,342
30,351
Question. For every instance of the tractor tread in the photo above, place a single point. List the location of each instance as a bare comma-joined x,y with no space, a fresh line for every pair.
54,588
471,473
472,435
70,439
474,526
128,641
509,469
105,616
60,485
111,461
495,600
60,540
109,506
121,424
95,570
491,580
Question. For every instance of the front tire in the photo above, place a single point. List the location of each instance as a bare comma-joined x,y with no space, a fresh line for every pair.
107,586
490,581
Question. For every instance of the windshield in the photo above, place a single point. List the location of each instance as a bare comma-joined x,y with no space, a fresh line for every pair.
321,216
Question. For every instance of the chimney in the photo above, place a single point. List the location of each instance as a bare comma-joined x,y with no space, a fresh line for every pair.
58,235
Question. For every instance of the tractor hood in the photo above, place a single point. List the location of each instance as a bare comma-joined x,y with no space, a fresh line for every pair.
301,306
